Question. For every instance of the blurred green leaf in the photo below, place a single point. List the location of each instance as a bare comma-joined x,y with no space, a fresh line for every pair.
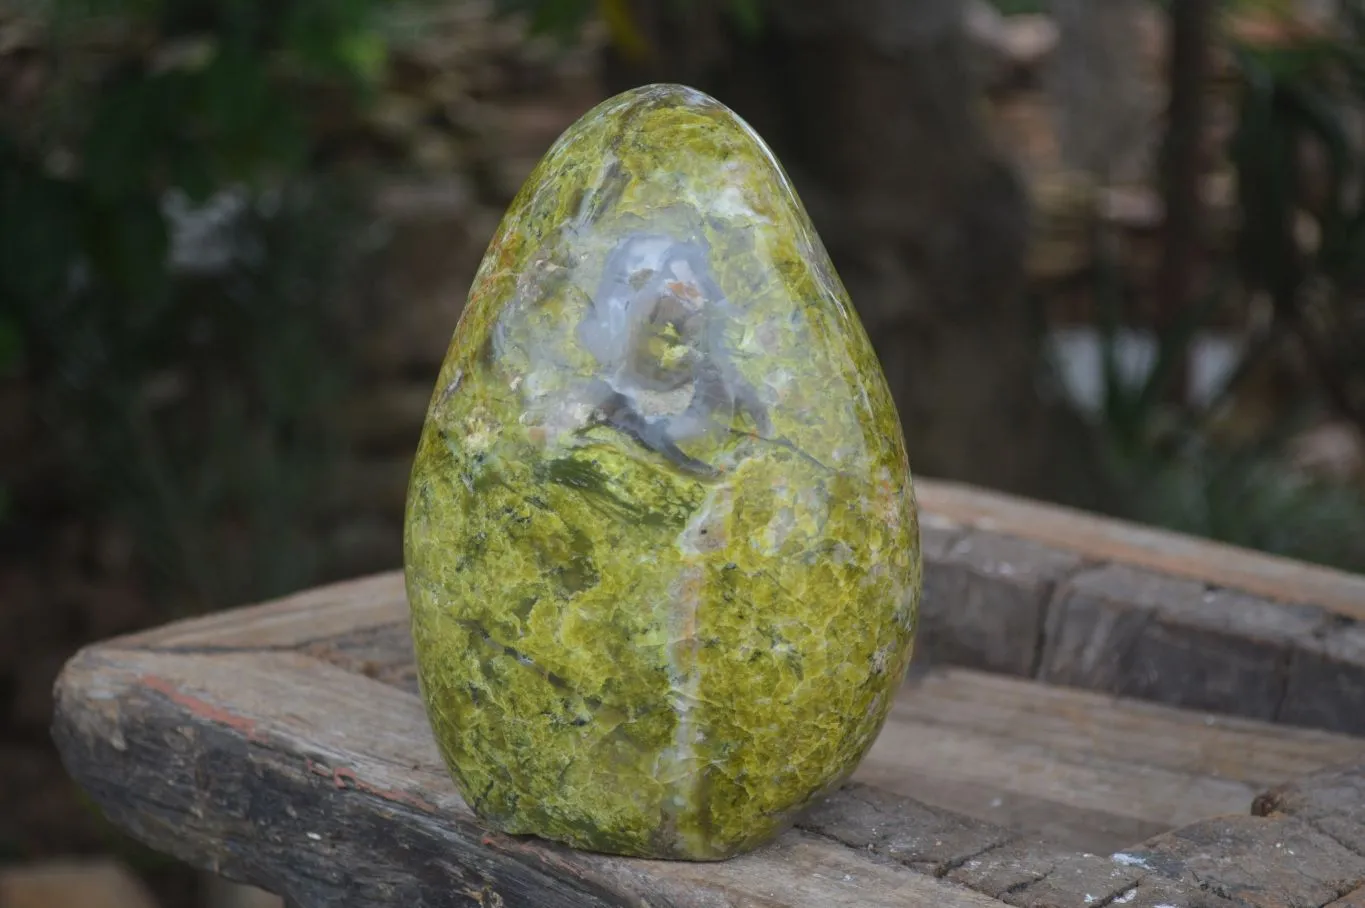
128,244
39,232
748,15
11,345
365,54
559,18
122,139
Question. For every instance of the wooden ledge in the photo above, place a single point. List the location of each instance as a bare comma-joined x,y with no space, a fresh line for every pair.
285,745
325,786
1041,592
1103,539
1098,715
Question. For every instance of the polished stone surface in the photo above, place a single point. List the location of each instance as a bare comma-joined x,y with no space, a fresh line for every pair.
662,549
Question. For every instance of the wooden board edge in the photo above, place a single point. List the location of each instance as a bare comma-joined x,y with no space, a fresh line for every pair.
380,599
175,767
1109,540
291,621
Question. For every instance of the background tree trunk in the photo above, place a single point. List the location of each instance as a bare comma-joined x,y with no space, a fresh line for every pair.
1107,104
871,107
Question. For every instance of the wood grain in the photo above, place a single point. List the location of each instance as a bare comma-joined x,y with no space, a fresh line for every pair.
1331,801
1263,862
1354,899
316,614
1087,771
986,597
1104,539
1083,770
284,745
1002,600
1327,681
325,786
318,779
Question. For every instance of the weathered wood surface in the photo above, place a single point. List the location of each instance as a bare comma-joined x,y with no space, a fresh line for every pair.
1045,592
1081,769
1042,592
324,785
1106,540
285,746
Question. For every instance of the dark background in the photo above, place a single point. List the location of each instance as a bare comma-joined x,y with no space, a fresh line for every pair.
1110,252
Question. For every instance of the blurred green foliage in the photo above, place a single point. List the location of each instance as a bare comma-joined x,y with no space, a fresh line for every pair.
184,400
1166,465
1296,100
1298,243
566,18
1020,7
149,96
190,401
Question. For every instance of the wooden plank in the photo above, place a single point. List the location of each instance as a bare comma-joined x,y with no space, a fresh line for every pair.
1027,875
1081,769
1148,734
1002,603
927,839
1077,768
1113,628
1354,899
324,785
316,614
1331,801
997,862
1264,862
1129,631
985,599
315,780
1104,539
1079,824
1327,681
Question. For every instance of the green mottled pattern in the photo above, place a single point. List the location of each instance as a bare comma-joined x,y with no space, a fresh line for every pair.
631,647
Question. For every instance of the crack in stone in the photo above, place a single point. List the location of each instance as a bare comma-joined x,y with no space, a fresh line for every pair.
782,442
939,869
1127,688
514,653
856,794
557,681
1218,889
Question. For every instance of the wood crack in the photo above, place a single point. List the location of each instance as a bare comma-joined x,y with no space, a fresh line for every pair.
954,863
298,776
226,649
1130,891
1025,884
1356,889
1284,673
1316,825
1050,594
1342,891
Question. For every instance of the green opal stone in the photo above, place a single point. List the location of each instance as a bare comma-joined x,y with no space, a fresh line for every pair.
661,547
